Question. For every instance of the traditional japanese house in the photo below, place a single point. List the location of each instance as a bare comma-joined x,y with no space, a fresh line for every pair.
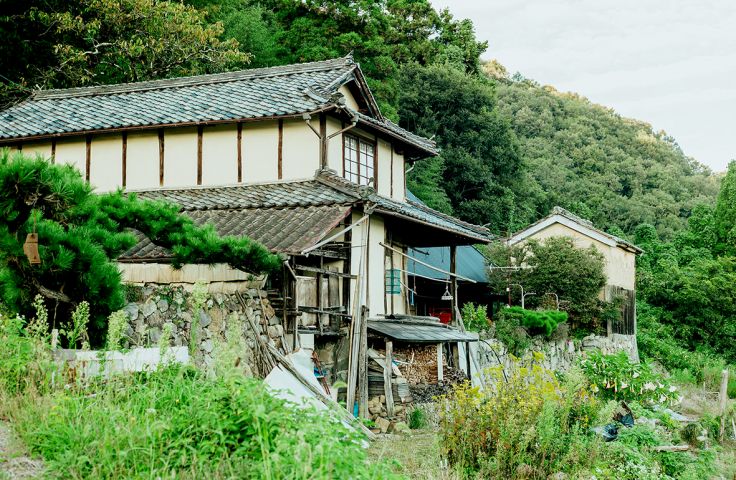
298,157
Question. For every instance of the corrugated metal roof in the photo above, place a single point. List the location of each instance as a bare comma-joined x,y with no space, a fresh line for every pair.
247,94
419,333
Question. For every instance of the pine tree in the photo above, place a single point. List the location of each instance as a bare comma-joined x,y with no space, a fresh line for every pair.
82,233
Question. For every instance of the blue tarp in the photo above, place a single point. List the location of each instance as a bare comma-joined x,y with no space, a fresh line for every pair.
470,262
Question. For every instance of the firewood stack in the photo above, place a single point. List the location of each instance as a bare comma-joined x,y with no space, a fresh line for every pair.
421,364
376,389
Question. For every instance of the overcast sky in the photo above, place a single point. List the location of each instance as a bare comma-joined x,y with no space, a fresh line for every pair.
671,63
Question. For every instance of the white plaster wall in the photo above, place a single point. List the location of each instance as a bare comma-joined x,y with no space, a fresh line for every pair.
349,99
142,160
384,167
106,160
260,151
220,155
37,148
72,151
399,177
620,265
180,157
334,146
300,150
374,295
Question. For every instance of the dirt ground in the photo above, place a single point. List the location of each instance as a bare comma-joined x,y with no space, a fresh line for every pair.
418,454
14,462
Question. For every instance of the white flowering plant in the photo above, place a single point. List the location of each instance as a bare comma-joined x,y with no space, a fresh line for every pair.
617,377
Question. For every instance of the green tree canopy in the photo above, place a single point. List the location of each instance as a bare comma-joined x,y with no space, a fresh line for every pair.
82,233
554,266
53,43
479,160
725,213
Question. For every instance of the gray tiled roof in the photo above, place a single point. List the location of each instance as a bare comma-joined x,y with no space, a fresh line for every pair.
410,210
263,195
284,230
288,217
247,94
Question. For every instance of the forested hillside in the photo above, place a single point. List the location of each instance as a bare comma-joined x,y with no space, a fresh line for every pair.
616,171
511,149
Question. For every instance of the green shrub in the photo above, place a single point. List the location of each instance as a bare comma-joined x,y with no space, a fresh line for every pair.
509,331
530,426
475,317
618,378
417,418
537,322
176,423
514,325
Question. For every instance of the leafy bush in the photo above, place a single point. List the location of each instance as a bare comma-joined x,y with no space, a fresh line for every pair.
475,317
514,325
530,426
617,377
509,330
417,418
176,423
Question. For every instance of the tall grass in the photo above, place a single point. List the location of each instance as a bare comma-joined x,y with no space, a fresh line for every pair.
175,422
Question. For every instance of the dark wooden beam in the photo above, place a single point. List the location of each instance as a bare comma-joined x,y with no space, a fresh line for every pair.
240,152
125,158
281,149
200,132
88,159
161,157
323,271
53,151
323,140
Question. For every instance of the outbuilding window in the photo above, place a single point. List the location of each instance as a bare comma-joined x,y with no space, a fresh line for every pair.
359,156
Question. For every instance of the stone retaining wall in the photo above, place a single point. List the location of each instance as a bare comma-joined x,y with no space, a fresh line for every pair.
559,354
153,306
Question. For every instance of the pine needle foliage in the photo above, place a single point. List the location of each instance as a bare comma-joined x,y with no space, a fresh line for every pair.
82,233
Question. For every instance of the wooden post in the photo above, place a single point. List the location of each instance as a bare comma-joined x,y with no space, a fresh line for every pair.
722,402
467,359
387,374
54,339
440,372
453,284
363,365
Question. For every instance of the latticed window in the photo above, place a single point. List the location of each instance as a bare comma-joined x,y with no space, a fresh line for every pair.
359,157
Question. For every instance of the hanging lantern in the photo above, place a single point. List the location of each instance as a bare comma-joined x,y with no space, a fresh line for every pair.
447,296
30,248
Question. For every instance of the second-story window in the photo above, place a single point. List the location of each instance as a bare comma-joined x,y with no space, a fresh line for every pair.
359,157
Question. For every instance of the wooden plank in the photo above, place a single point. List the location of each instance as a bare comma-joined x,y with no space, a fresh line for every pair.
53,151
286,363
671,448
387,371
323,271
363,365
440,369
